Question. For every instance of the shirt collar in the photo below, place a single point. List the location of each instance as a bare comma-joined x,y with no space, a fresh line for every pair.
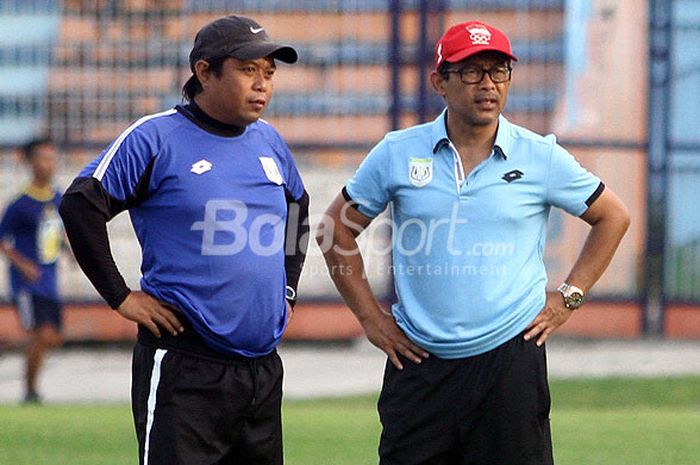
40,194
439,132
501,145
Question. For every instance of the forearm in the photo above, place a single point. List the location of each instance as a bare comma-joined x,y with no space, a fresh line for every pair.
296,242
347,270
16,259
337,239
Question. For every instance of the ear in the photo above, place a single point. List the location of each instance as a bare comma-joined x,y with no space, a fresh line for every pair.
202,70
438,83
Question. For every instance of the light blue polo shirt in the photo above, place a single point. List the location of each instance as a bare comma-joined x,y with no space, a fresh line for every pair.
468,253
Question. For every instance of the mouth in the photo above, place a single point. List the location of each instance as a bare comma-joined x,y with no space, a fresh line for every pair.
486,102
258,104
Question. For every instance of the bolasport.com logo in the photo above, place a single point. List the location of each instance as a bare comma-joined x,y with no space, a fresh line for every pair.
228,229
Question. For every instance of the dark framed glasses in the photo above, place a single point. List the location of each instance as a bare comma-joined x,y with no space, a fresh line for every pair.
474,74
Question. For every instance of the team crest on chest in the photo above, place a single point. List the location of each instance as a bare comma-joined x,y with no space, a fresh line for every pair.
420,171
271,171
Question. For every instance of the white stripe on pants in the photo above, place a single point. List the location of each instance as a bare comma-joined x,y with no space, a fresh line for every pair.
155,380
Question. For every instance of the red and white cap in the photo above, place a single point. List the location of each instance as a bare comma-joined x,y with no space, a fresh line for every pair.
466,39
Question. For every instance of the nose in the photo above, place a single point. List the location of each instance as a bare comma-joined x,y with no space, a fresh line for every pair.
486,81
261,81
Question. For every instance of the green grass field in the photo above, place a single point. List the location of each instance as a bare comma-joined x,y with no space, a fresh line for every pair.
610,421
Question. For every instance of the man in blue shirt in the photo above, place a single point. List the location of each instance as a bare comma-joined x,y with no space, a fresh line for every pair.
31,236
469,195
220,212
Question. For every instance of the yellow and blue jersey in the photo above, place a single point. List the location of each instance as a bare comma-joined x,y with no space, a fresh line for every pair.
32,224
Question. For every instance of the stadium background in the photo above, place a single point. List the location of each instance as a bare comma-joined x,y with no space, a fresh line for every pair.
616,80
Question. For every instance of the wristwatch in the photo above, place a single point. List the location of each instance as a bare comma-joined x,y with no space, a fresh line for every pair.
290,294
573,296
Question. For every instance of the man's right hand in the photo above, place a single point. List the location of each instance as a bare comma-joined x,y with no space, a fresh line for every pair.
29,270
337,238
149,312
383,332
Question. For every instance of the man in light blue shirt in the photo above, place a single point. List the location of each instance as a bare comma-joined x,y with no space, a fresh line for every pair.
469,195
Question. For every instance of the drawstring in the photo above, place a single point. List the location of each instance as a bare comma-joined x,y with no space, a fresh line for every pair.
254,374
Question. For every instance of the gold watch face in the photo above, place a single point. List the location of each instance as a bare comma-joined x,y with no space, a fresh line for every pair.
574,300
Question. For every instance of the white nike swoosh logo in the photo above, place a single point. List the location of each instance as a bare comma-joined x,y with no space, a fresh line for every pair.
255,31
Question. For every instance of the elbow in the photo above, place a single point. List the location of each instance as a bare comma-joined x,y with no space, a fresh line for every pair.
325,233
324,237
320,234
71,210
625,219
66,209
627,222
332,236
78,214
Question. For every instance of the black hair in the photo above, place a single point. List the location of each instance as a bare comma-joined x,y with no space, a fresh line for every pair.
29,149
193,87
443,68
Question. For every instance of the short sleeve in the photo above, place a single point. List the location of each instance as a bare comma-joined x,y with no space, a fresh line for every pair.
570,186
369,186
122,165
7,223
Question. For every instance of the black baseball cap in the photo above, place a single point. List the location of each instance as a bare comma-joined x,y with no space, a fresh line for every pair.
237,37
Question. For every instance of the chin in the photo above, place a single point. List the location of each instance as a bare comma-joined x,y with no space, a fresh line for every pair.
250,118
256,115
484,121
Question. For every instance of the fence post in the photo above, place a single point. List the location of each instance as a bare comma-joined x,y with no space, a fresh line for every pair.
395,63
431,28
422,57
653,291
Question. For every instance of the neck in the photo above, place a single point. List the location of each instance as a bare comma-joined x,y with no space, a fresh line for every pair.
465,134
40,191
39,183
210,110
201,117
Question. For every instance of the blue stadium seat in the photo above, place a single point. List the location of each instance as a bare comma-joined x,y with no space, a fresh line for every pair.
161,52
375,103
491,5
27,34
293,5
373,53
121,102
23,81
28,29
349,6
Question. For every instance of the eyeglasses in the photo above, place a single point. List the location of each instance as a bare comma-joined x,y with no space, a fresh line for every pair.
474,74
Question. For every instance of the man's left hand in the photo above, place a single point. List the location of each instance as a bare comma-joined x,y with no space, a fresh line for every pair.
553,315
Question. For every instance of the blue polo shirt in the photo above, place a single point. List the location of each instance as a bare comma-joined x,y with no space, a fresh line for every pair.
468,252
210,214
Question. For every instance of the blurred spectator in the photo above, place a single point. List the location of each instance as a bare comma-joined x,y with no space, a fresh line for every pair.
31,235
